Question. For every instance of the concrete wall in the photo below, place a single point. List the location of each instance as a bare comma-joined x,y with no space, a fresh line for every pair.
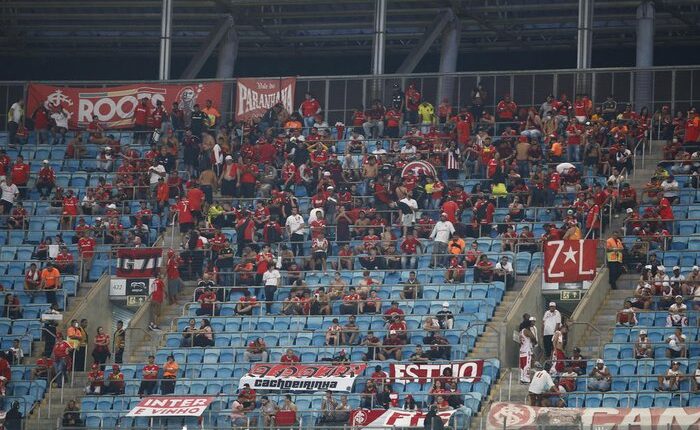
137,333
586,310
530,301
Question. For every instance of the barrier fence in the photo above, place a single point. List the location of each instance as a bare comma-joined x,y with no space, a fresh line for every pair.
678,87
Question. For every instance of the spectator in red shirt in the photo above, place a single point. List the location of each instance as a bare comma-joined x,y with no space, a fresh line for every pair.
173,272
20,175
506,110
41,124
149,383
409,248
142,115
290,357
157,298
308,110
46,180
207,302
64,261
86,249
70,210
61,359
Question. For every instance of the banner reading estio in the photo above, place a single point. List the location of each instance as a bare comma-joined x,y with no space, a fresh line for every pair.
302,377
254,96
114,105
469,371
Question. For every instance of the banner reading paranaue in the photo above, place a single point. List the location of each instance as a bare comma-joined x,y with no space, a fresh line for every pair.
254,96
114,105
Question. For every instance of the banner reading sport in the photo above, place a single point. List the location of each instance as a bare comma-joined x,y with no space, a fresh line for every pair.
302,377
114,105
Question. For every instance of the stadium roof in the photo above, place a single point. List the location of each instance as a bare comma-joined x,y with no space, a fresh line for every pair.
309,28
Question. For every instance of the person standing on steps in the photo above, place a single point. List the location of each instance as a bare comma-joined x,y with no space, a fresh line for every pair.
119,342
527,345
613,255
550,319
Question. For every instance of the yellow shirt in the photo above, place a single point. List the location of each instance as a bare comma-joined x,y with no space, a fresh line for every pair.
426,111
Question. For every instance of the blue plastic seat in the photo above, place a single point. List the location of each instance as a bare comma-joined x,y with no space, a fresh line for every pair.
594,400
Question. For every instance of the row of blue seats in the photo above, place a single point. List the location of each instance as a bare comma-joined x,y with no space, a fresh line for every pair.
614,351
308,353
683,259
282,324
474,306
20,327
631,400
15,285
19,237
630,366
655,334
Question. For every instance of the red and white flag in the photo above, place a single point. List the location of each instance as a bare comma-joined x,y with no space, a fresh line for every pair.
391,418
570,260
138,262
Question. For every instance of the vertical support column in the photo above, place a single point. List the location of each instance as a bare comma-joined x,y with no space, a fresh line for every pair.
645,54
584,45
166,25
226,62
378,47
449,51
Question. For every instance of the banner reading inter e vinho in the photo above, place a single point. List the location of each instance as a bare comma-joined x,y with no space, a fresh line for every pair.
180,406
254,96
114,105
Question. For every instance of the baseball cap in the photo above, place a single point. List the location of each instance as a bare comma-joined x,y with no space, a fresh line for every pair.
533,319
599,361
630,210
661,268
46,161
392,332
552,304
696,268
642,332
443,214
326,173
676,268
445,305
679,297
648,267
228,157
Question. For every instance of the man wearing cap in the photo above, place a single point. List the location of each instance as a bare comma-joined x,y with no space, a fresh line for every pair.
46,180
550,319
599,378
541,384
442,231
643,347
445,317
392,347
503,271
677,313
19,176
677,344
672,379
613,254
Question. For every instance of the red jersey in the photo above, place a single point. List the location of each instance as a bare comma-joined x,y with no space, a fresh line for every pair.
61,350
47,174
86,247
20,174
184,211
195,196
70,205
410,245
288,359
158,293
310,107
506,110
173,267
150,371
141,114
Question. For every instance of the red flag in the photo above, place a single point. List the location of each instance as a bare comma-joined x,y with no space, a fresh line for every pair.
570,260
138,262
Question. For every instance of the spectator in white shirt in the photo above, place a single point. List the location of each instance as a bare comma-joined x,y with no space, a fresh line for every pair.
9,194
672,379
677,313
296,229
14,119
156,171
541,383
670,189
676,344
272,279
441,234
503,271
408,207
551,318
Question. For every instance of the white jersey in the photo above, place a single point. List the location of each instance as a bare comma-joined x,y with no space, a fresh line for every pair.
525,343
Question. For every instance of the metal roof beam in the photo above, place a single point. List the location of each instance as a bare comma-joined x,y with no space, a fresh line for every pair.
204,52
424,44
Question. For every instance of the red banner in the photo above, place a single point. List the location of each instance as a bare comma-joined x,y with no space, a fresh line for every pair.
302,377
184,406
522,417
391,418
254,96
424,372
570,260
138,262
114,106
